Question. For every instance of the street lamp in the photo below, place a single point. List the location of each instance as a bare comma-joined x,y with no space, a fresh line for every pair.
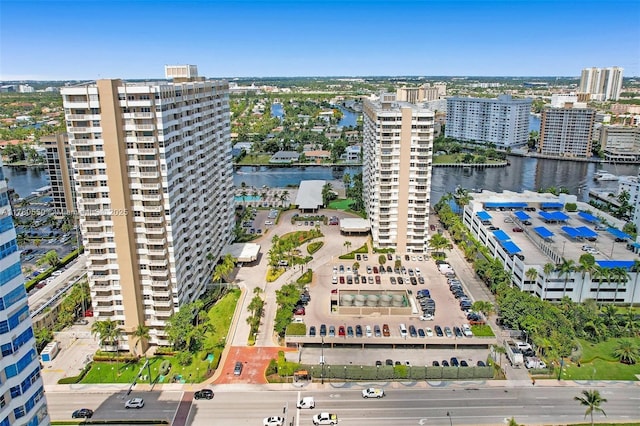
377,371
450,418
345,373
561,365
322,362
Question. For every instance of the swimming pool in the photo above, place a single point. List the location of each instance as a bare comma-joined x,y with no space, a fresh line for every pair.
241,199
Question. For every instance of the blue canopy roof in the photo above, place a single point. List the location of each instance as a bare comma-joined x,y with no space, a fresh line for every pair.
501,235
587,232
522,215
554,216
510,247
627,264
589,218
483,215
551,205
618,233
455,208
635,245
572,232
505,205
543,232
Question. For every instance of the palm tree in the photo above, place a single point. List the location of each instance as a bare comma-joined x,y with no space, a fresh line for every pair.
499,349
532,274
438,242
347,245
636,269
620,276
626,351
548,270
483,306
567,267
223,270
631,323
141,333
284,197
602,274
592,400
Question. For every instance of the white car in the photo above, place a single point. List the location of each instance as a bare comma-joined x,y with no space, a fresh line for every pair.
466,329
420,258
418,272
429,331
325,419
273,421
306,402
426,318
134,403
268,222
372,393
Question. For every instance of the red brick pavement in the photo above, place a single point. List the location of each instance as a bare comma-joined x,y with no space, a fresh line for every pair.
255,360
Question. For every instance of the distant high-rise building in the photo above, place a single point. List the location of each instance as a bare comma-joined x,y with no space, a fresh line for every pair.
620,143
58,158
424,93
567,131
503,121
602,84
153,173
22,400
398,148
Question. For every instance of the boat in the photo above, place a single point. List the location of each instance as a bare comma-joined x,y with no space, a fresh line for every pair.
604,176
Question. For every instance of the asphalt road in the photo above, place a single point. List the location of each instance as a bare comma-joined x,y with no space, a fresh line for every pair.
415,407
110,404
403,406
75,269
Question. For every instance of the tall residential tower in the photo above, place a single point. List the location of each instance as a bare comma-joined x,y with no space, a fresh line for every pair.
398,149
22,400
153,175
602,84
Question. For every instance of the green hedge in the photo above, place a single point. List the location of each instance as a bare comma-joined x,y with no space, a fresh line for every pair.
398,372
306,278
314,246
296,329
46,274
75,379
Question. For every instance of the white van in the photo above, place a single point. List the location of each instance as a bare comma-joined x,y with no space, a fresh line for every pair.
403,331
306,402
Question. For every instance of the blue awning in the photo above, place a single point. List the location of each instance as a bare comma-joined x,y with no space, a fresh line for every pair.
635,245
618,233
572,232
510,247
554,216
501,235
589,218
483,215
587,232
521,215
505,205
627,264
543,232
551,205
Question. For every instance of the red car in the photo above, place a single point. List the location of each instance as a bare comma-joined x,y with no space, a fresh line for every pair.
378,281
334,291
341,331
341,279
299,311
517,229
375,269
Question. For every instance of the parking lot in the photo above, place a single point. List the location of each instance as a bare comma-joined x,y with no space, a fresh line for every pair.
331,324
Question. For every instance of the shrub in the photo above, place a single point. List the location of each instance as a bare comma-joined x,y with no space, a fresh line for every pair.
165,350
286,368
272,368
75,379
273,274
306,278
184,358
571,207
165,367
314,246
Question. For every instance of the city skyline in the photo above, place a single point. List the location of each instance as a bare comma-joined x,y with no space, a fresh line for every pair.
39,40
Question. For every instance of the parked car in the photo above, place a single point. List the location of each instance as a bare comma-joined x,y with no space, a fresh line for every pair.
412,331
203,394
237,369
393,280
435,363
341,331
429,331
445,363
386,332
389,362
448,332
481,364
273,421
376,331
438,330
323,330
454,362
421,333
332,331
349,331
358,330
463,363
312,331
457,331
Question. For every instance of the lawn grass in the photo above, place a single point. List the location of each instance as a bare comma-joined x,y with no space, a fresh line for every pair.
457,159
598,363
482,331
220,316
341,204
257,159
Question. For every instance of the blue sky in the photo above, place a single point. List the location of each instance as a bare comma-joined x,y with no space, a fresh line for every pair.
136,38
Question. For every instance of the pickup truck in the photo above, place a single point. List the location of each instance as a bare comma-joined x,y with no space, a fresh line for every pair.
325,419
514,354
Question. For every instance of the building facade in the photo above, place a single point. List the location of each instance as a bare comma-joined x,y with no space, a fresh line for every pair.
533,244
620,143
397,156
58,157
566,131
503,121
22,400
602,84
153,172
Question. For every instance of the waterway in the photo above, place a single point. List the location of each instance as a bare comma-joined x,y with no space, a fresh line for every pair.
524,173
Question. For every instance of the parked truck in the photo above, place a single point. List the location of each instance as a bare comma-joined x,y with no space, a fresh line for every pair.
514,354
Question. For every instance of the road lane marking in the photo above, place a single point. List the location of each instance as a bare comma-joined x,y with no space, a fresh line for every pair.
298,411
